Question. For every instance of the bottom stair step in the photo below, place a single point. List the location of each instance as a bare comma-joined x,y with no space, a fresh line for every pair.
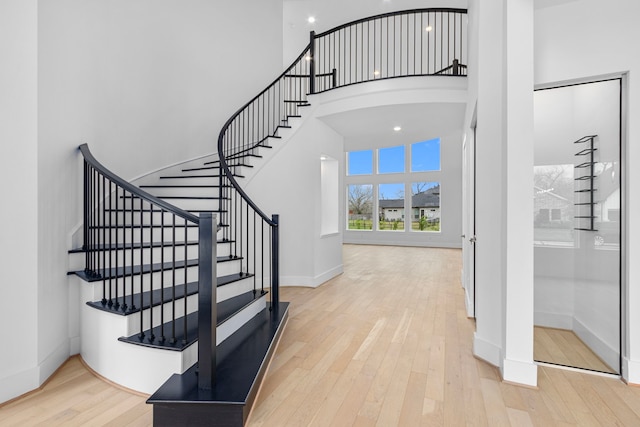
242,360
184,337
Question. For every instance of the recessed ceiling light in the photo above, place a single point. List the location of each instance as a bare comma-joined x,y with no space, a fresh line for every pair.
323,157
311,19
429,28
397,128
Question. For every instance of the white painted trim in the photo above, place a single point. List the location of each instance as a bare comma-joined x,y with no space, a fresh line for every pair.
486,351
226,329
53,361
631,371
608,354
311,282
18,384
519,372
553,320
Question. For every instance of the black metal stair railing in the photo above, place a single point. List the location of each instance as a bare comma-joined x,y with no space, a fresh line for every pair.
137,246
410,43
418,42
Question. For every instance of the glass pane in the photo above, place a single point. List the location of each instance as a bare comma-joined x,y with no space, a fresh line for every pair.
577,225
425,156
360,162
360,206
553,212
391,160
425,206
391,207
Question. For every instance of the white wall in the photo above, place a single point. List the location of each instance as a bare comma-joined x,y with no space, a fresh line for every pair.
145,84
332,13
568,48
289,184
19,173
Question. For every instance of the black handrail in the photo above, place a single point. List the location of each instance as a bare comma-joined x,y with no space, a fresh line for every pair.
221,151
390,14
140,193
326,64
116,232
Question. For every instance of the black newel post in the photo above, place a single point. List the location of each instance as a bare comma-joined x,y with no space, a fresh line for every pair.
312,62
456,67
275,267
207,307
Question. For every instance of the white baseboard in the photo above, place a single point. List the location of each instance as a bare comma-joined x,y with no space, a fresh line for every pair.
311,282
519,372
18,384
631,371
52,362
553,320
486,351
608,354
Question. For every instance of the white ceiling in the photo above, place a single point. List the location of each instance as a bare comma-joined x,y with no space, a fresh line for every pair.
373,127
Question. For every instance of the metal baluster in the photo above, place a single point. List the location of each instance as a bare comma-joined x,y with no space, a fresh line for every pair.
115,247
173,281
104,239
133,304
184,323
142,335
108,246
162,211
151,268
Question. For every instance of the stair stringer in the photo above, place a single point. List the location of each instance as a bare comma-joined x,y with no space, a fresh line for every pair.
136,367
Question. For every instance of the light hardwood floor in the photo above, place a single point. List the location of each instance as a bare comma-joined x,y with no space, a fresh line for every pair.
387,343
564,347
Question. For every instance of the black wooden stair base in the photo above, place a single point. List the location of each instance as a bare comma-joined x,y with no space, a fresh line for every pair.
164,336
242,360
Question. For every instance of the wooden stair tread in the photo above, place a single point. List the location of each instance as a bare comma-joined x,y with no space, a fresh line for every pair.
153,337
240,366
136,270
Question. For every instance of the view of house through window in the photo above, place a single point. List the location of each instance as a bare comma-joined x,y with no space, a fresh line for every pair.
391,207
395,212
553,206
425,206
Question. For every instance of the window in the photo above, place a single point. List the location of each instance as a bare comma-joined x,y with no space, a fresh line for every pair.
329,191
360,162
425,206
391,207
425,156
553,203
360,216
391,160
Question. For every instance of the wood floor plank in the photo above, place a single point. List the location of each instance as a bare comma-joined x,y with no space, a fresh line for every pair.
386,343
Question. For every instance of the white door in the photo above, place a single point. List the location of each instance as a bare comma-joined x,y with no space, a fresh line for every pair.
468,220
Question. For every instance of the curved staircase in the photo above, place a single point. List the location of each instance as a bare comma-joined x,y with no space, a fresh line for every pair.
182,271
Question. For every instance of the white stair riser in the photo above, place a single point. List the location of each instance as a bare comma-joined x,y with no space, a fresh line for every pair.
123,286
137,367
170,311
135,217
77,259
183,191
185,204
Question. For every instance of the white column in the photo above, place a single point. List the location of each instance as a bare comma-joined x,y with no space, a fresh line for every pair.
518,363
504,216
